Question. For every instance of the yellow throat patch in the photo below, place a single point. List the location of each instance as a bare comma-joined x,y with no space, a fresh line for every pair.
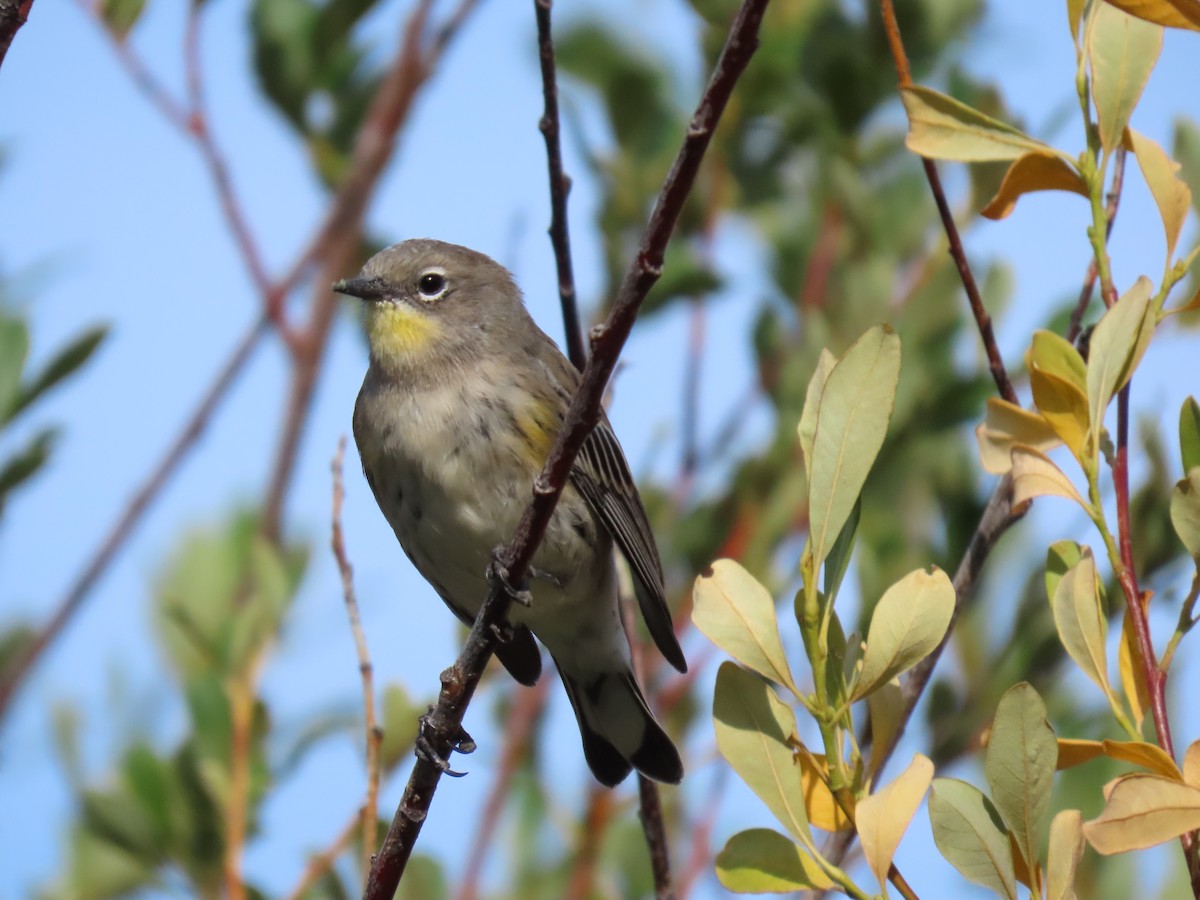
398,332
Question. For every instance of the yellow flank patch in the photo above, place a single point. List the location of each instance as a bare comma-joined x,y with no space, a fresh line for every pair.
535,424
397,331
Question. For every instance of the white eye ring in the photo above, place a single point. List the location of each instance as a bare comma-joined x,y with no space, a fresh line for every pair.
432,284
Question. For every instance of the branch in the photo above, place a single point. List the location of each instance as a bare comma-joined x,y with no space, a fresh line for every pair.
983,321
460,680
1112,201
13,14
322,862
560,186
121,530
337,542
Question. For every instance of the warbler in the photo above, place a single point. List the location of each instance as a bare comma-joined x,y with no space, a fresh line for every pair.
461,402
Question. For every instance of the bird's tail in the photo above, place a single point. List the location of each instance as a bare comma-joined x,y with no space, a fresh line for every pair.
619,731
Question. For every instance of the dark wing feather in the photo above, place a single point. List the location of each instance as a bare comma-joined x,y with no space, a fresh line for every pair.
601,476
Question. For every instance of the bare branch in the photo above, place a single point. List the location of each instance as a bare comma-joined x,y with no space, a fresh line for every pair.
13,14
460,680
560,186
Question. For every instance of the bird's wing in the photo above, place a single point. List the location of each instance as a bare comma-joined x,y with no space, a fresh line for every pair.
601,475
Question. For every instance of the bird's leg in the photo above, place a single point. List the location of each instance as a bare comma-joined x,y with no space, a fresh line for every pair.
427,733
497,572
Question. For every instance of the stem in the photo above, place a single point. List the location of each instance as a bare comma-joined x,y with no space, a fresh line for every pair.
1187,621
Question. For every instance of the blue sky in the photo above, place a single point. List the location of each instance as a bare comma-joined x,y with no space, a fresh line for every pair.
109,216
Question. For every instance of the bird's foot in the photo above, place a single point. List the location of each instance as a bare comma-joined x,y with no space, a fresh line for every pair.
425,749
498,572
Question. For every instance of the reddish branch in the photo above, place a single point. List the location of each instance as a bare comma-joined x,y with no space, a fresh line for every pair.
460,680
560,186
13,14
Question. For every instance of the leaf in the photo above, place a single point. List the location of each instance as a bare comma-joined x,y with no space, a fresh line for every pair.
762,861
1189,434
1035,476
1122,51
1117,345
807,428
25,463
883,817
1074,752
1031,172
1185,512
1143,810
838,560
737,614
852,419
1061,556
122,15
969,834
1074,17
1081,624
14,348
1065,851
940,127
823,809
753,732
1129,666
885,706
1021,759
64,363
1006,426
1191,764
1170,192
1170,13
1058,376
909,621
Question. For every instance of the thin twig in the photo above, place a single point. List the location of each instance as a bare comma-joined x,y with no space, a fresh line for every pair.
193,429
374,735
983,321
13,14
560,186
1112,202
460,680
241,721
518,729
322,862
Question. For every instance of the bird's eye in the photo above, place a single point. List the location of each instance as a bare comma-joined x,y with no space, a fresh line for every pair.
432,285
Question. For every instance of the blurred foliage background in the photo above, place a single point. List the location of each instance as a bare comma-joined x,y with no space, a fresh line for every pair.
809,165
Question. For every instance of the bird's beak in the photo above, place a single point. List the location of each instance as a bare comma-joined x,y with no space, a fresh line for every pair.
362,288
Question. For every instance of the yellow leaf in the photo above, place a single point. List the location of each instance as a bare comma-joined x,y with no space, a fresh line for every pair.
1122,51
1073,752
885,705
1066,848
1034,171
940,127
1171,13
1170,192
1117,346
1035,476
823,809
1058,377
1007,425
734,611
1191,764
1133,683
1142,811
883,817
1079,620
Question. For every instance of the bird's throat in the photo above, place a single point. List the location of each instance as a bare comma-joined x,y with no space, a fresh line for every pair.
399,335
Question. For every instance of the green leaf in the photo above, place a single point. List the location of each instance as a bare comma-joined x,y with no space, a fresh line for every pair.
838,560
26,462
14,348
909,621
1185,512
423,879
885,707
1116,348
1185,147
754,730
122,15
940,127
969,834
1022,756
1080,620
64,363
1061,556
1189,434
737,614
1122,51
762,861
807,428
852,419
398,715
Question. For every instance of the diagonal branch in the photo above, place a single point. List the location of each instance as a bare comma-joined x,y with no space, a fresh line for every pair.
13,14
460,680
560,186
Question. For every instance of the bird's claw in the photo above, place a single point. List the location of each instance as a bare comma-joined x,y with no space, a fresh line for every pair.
498,572
460,742
503,632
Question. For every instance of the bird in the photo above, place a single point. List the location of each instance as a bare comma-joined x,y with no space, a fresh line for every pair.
462,399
